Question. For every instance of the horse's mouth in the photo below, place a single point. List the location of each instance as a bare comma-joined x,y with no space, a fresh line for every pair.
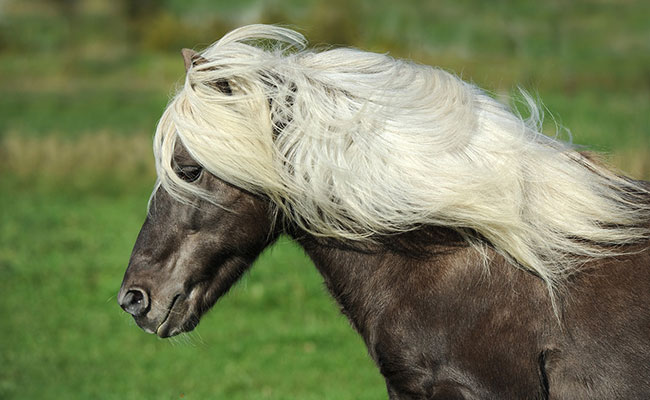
164,330
178,319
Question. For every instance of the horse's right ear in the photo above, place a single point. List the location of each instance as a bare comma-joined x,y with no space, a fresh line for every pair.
191,57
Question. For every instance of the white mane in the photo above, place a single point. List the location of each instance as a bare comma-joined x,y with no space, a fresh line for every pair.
352,144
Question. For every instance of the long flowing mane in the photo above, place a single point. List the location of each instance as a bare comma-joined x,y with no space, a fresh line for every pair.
351,144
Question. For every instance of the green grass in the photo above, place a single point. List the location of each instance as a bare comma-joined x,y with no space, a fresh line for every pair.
79,99
277,335
77,113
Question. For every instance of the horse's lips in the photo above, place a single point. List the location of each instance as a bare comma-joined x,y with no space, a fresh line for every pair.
162,330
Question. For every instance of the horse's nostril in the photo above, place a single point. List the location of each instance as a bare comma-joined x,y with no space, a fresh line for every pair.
135,302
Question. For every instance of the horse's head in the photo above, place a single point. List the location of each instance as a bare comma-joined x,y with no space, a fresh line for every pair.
188,255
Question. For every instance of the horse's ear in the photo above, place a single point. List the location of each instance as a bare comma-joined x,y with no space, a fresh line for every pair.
191,57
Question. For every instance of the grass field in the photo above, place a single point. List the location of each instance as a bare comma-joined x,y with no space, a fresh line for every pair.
80,93
64,336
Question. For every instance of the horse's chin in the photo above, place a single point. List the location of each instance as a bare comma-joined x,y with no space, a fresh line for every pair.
169,329
179,319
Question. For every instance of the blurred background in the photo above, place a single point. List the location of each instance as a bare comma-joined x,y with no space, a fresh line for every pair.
82,84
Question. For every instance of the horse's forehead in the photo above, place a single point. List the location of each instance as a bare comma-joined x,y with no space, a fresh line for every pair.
181,155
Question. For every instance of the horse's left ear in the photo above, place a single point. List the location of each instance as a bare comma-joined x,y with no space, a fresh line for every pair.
192,58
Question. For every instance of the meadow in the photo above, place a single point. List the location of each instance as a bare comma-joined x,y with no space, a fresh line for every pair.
82,84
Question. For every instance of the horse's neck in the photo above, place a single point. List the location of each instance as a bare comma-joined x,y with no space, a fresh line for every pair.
348,275
436,278
366,280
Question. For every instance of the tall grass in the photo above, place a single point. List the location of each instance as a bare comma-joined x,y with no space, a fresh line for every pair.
101,161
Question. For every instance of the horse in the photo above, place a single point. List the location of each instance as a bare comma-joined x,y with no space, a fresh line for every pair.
477,257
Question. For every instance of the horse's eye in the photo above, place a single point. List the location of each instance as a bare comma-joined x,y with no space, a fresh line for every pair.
189,173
